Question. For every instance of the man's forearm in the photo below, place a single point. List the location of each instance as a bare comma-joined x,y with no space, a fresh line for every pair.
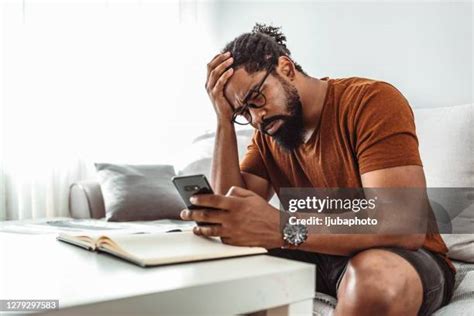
225,170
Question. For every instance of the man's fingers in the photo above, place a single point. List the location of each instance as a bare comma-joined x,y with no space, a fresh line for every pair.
239,192
209,64
184,214
217,73
226,240
209,230
223,80
212,200
200,215
197,231
219,58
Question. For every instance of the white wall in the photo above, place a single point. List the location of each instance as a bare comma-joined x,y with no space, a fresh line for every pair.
104,80
87,81
423,48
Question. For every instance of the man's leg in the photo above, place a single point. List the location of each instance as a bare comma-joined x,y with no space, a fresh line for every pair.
379,282
328,267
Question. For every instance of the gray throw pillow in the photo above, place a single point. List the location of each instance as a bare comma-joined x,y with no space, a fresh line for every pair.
138,192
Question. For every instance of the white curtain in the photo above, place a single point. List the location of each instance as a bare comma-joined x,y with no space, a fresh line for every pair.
96,81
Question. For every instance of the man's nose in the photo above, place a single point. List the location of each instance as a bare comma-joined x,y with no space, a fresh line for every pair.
257,116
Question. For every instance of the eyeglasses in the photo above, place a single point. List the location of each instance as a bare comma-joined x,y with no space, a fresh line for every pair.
257,99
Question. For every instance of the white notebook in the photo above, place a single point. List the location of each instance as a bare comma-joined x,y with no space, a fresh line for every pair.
152,249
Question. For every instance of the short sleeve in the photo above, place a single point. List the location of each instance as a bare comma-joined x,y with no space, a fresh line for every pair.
252,162
384,126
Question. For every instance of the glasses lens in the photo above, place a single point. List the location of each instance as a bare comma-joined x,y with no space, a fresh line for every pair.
257,99
242,119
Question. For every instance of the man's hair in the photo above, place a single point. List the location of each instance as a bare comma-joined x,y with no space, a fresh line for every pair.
260,49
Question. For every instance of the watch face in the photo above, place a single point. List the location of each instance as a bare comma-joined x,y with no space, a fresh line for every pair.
295,234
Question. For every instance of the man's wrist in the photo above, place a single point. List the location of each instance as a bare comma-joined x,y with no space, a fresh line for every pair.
276,235
225,123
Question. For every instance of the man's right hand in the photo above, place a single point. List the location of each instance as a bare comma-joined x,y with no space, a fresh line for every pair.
217,77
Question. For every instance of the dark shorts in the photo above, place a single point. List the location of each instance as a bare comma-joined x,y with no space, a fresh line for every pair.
436,276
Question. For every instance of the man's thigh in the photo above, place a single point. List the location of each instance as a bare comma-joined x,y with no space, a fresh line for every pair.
329,268
377,281
436,279
420,277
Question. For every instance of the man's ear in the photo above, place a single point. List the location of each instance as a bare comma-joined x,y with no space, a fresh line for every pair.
286,68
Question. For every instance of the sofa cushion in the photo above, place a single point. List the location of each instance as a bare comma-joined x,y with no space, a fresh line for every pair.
446,138
462,301
138,192
461,246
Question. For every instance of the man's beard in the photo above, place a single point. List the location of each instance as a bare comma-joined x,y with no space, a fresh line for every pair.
291,133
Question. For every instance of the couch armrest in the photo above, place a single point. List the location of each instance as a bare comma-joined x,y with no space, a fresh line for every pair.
86,200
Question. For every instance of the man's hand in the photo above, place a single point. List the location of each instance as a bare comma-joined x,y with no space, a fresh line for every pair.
217,77
243,219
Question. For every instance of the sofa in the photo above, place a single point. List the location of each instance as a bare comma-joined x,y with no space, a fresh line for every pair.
446,137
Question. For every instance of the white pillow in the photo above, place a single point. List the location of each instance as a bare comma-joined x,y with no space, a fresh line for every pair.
201,150
447,149
446,145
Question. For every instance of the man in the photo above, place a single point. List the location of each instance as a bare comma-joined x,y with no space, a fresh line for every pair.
321,133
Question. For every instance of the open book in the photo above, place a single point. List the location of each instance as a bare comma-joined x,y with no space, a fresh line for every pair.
158,248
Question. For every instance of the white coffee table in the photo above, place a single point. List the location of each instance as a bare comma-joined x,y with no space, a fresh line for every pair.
88,283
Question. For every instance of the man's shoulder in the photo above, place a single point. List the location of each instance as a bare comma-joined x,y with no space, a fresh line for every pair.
352,84
353,92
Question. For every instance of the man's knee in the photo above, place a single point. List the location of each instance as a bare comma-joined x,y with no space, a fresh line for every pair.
373,285
361,293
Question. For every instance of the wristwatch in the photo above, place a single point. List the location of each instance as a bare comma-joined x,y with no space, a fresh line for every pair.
294,235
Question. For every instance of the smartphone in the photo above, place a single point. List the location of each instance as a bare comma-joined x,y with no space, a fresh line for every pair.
188,186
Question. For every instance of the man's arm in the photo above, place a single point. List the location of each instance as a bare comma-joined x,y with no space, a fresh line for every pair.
251,221
386,147
397,177
225,170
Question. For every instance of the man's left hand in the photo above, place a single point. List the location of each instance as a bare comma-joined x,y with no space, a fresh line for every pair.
242,218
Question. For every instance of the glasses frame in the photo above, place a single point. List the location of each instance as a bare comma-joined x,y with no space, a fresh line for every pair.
248,105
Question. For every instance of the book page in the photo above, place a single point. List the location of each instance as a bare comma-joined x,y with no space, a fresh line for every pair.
81,241
159,248
112,229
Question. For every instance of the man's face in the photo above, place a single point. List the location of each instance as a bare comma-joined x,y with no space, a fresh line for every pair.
282,115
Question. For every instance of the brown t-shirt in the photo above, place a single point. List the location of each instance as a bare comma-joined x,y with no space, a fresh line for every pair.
365,125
